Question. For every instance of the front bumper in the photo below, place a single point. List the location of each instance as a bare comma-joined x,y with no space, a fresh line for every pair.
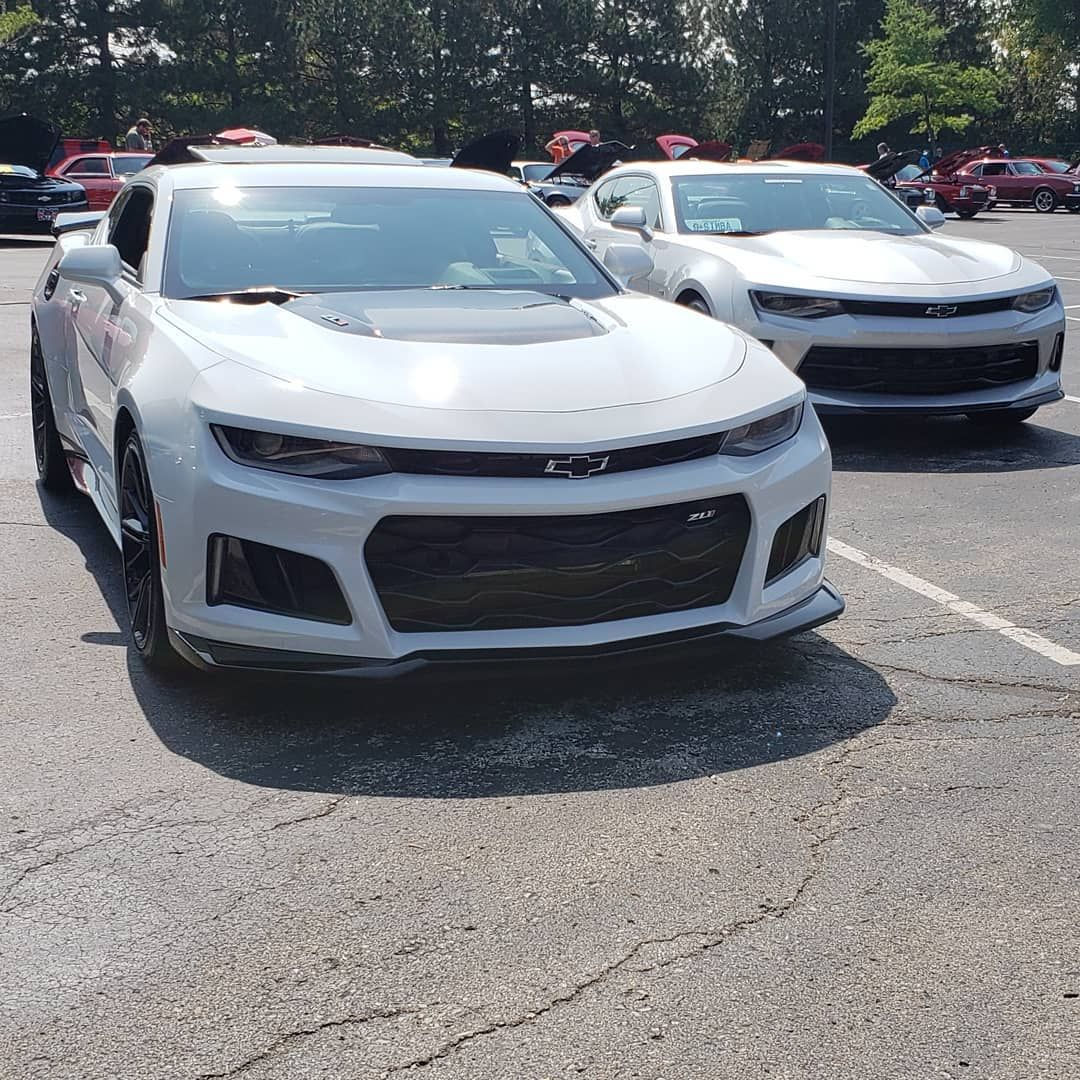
793,339
332,522
1072,202
822,606
24,220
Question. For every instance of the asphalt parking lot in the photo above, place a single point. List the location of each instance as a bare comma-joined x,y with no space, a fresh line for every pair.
853,854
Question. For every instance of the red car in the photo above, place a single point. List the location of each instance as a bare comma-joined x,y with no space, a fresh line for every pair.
103,175
1022,182
954,192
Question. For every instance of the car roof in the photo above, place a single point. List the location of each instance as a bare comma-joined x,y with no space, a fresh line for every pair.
683,167
301,155
334,173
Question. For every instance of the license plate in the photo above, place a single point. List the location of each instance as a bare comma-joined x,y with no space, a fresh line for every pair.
45,215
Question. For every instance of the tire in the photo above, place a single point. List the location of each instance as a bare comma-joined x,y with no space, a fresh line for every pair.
1044,200
941,204
558,200
1001,418
52,468
967,215
141,562
1073,209
695,303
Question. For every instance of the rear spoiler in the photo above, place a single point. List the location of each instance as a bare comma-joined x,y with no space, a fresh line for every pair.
67,223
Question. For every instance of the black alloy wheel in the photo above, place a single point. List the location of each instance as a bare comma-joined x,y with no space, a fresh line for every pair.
1001,418
141,561
1045,201
52,467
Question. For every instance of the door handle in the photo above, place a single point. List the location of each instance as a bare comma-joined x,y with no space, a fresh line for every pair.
78,296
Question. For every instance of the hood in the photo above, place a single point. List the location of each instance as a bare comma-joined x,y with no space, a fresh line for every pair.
711,150
805,151
590,161
178,151
514,352
800,259
26,140
959,158
493,152
891,164
247,137
671,143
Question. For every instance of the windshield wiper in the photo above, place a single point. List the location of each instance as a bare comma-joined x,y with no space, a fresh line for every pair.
260,294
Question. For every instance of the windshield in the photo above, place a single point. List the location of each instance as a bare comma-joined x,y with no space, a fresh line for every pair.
910,172
753,203
129,166
341,239
19,170
536,172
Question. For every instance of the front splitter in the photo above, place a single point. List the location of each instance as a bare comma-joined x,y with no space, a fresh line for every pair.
823,606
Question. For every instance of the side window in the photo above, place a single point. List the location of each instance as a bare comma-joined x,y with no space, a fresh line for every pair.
130,232
994,170
88,166
640,191
606,204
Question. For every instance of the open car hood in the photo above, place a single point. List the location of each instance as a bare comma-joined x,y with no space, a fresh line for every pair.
958,158
804,151
711,150
178,151
891,164
26,140
492,152
670,143
590,161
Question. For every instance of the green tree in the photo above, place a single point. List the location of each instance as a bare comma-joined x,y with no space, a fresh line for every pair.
909,78
14,22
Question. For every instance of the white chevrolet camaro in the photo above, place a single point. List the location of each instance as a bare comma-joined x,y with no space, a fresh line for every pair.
850,289
350,416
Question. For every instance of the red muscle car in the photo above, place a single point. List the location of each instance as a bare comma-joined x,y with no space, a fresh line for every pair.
103,175
1023,182
955,192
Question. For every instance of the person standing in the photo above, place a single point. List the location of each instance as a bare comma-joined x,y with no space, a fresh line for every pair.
1003,151
594,137
924,159
882,150
139,136
559,148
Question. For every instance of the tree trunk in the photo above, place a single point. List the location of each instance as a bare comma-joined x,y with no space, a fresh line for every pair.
106,74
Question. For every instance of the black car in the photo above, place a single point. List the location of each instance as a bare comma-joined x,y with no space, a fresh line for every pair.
30,200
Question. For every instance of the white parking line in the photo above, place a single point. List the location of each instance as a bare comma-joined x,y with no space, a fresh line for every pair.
14,415
1069,397
1028,638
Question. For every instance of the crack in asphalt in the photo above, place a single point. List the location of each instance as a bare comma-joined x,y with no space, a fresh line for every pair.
324,811
706,940
302,1033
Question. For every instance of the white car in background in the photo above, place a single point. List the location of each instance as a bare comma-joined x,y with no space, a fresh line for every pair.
850,289
353,417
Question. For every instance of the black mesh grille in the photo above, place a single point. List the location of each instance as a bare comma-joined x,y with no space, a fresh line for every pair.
919,371
501,573
939,311
460,463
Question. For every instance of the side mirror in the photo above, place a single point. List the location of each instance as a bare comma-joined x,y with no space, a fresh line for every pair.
632,218
628,261
931,215
94,264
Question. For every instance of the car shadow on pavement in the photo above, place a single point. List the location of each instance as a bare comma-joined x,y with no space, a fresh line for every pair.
945,445
633,725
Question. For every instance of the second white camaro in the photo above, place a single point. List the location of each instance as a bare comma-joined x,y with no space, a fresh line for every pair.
356,417
845,284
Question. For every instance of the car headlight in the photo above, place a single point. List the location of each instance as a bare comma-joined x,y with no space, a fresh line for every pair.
1076,189
317,459
763,434
964,193
1035,301
929,196
799,307
993,192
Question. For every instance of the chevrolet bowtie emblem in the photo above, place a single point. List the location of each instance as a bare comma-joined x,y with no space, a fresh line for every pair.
941,311
577,467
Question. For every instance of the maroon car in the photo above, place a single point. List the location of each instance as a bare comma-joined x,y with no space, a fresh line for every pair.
953,191
1022,182
103,175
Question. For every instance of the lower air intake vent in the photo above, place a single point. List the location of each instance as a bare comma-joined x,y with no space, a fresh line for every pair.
251,575
797,539
502,573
